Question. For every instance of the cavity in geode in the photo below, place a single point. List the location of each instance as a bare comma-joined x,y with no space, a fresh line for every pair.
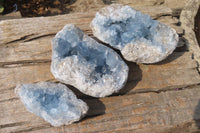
139,38
55,103
82,62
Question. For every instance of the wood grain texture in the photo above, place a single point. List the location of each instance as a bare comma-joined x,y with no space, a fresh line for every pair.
30,38
137,112
29,28
187,19
169,74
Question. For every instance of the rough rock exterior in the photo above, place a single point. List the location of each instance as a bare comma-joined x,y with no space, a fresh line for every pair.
55,103
139,38
93,68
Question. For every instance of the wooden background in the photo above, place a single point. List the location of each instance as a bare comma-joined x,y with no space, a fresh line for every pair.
161,97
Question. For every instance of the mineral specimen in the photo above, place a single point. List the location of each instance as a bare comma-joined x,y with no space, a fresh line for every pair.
55,103
82,62
139,38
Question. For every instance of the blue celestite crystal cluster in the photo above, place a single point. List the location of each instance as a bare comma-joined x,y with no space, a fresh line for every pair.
93,68
55,103
139,38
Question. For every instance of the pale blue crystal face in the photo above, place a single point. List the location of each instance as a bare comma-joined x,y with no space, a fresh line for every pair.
93,68
53,102
123,31
91,55
139,38
47,101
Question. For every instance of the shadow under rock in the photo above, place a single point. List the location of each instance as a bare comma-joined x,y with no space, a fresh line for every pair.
196,116
134,76
78,93
107,2
96,107
169,59
135,73
197,26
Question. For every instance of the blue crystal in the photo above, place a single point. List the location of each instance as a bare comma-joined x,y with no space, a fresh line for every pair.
53,102
84,63
139,38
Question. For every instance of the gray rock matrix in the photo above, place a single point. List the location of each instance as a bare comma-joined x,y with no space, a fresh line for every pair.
139,38
55,103
82,62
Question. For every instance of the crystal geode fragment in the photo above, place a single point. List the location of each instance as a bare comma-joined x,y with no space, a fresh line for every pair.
82,62
55,103
139,38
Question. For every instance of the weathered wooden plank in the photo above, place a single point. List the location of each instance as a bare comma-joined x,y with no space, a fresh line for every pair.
25,39
27,74
160,10
187,19
120,113
29,28
175,4
173,72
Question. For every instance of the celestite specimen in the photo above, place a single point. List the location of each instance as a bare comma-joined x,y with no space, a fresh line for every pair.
82,62
55,103
139,38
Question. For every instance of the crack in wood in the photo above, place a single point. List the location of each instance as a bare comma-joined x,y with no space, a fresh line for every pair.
44,126
198,67
38,37
30,37
12,124
163,15
161,90
3,90
21,39
9,100
23,63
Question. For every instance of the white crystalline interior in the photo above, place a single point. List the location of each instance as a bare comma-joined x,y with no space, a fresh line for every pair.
53,102
78,60
124,28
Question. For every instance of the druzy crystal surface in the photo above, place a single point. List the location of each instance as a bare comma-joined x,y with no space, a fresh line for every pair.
82,62
55,103
139,38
